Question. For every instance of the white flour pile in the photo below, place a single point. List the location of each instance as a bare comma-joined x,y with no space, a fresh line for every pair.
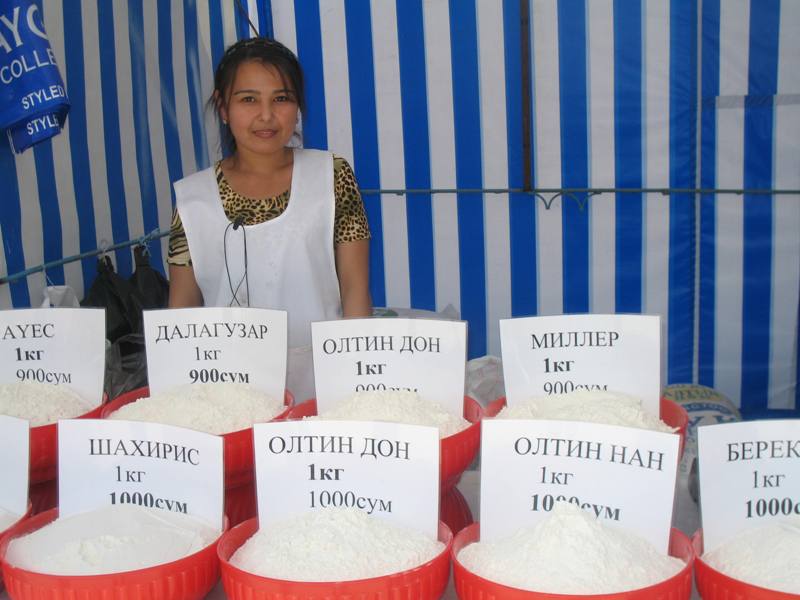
337,544
570,553
213,408
768,556
396,406
110,540
41,403
610,408
7,519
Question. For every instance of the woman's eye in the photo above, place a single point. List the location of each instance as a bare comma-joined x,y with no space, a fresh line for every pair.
248,98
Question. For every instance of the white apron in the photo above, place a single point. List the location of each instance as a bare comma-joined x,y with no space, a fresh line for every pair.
290,261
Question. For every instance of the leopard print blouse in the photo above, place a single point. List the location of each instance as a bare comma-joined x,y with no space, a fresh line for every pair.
349,223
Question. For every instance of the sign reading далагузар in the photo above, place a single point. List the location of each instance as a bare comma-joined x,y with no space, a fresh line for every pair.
216,345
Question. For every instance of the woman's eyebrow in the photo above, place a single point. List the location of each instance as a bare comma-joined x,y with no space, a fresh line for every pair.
280,91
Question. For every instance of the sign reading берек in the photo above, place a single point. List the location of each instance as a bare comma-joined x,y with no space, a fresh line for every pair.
387,470
426,356
216,345
56,346
103,462
14,444
620,475
749,476
558,355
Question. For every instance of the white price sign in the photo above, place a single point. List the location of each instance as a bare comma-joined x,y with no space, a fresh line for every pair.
749,475
561,354
216,345
424,355
388,470
57,346
101,463
14,443
622,476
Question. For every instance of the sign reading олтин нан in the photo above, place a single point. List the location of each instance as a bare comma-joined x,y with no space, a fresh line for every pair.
562,354
620,475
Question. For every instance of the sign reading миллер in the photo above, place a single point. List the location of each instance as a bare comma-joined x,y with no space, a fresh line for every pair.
14,443
620,475
216,345
558,355
749,476
388,470
56,346
105,462
423,355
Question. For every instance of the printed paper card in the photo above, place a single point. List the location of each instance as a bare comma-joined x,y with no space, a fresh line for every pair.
424,355
388,470
557,355
14,444
129,462
622,476
749,476
57,346
216,345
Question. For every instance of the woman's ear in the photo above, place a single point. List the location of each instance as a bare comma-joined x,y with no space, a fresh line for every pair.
221,109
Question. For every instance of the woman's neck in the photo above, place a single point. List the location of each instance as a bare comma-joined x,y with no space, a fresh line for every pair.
259,176
246,163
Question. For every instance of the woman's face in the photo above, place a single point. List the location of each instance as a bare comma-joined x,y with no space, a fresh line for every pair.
260,109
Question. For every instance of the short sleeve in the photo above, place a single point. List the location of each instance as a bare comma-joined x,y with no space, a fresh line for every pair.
178,252
350,220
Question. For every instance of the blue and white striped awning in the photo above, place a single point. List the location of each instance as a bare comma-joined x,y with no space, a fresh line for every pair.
428,94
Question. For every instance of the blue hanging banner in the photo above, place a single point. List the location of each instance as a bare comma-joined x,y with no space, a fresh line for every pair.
33,102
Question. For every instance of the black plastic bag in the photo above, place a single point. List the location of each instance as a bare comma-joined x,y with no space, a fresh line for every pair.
152,286
122,301
126,365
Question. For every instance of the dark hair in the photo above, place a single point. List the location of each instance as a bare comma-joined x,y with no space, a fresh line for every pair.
260,49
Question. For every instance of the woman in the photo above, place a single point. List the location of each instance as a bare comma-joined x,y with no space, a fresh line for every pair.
269,226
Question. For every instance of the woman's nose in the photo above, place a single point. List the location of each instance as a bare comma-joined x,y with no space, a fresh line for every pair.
266,110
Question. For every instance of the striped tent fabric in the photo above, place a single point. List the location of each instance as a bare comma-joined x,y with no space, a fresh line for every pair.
138,74
427,95
424,95
749,246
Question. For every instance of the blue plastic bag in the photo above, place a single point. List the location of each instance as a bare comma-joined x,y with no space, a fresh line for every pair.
33,101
